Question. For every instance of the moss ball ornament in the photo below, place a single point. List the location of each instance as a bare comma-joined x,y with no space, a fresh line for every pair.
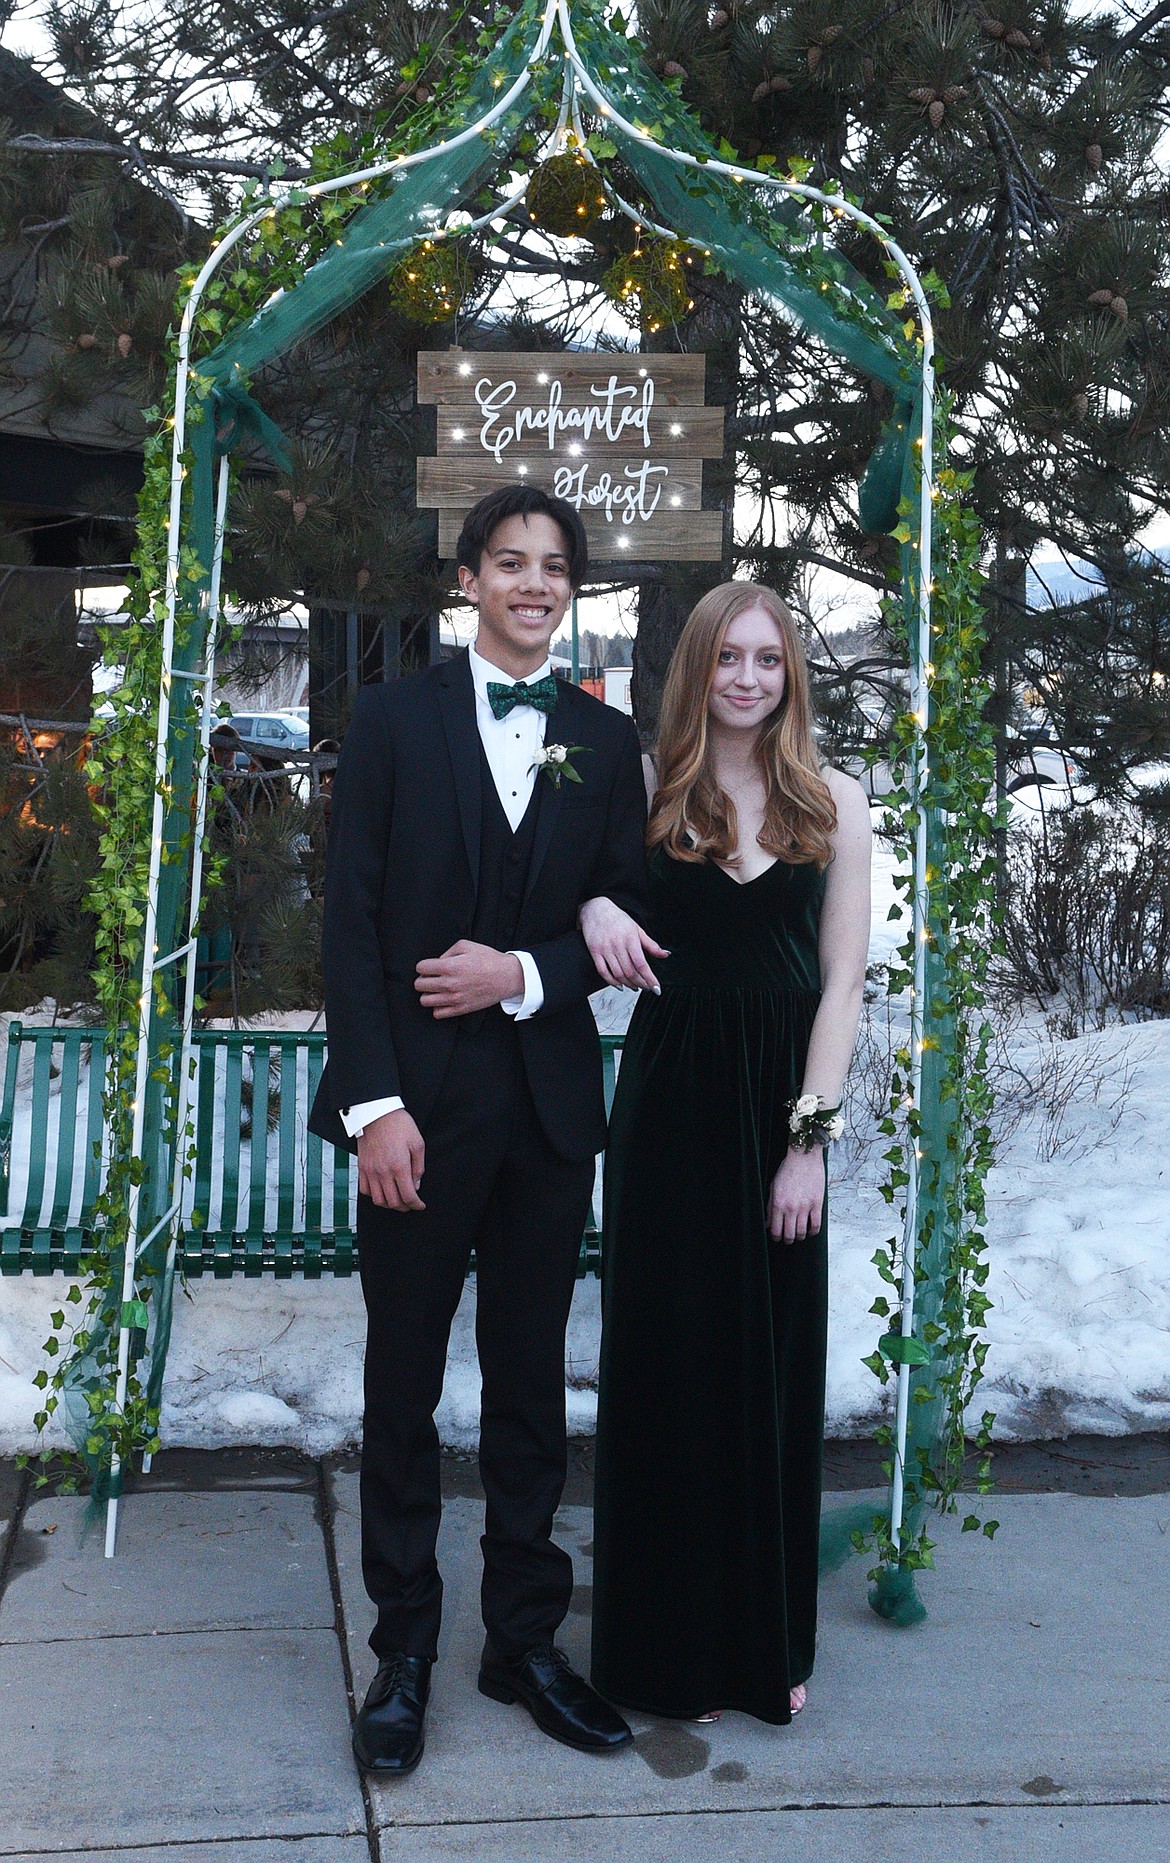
430,282
565,195
651,286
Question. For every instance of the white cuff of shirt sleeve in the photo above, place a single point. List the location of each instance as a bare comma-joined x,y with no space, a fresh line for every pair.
355,1119
533,998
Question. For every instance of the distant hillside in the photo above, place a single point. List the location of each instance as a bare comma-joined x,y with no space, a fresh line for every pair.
1055,583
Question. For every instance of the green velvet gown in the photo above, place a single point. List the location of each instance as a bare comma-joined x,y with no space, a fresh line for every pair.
711,1408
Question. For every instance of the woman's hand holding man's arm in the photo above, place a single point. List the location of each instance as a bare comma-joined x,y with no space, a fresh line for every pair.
618,945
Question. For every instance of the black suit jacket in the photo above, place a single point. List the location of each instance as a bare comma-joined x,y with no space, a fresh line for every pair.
400,883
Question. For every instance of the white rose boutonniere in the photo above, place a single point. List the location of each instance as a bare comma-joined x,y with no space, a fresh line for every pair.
553,759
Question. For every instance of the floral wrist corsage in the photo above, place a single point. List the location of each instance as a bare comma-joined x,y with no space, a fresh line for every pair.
811,1122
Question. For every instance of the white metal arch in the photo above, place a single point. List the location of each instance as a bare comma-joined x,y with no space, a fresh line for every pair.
577,82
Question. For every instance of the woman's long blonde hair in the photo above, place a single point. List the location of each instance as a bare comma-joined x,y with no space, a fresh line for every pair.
692,817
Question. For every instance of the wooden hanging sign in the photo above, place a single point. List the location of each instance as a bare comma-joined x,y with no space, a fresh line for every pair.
621,437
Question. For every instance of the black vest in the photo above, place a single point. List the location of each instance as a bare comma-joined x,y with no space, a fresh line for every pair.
504,859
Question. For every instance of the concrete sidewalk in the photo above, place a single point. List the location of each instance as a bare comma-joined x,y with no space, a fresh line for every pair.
192,1699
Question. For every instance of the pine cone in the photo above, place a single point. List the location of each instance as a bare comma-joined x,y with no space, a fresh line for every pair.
761,91
994,28
814,56
1103,295
299,510
936,112
923,94
125,344
719,19
1094,155
1080,405
1019,39
780,84
829,34
672,69
422,93
87,341
362,579
1120,308
954,93
116,260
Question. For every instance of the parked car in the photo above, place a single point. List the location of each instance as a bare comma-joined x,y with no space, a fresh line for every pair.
1041,765
271,736
1040,782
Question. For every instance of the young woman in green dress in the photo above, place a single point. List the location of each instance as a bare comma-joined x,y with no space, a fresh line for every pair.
711,1409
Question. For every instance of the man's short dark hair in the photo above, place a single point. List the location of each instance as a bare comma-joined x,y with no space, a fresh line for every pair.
522,501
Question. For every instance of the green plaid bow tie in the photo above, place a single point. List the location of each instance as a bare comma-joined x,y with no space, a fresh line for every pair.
542,693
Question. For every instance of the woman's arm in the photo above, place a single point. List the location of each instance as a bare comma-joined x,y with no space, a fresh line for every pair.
843,945
797,1198
618,945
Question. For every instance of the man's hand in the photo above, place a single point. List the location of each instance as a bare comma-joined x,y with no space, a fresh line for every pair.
390,1162
798,1196
466,978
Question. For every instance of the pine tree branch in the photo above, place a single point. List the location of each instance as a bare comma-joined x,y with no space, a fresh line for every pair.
144,158
1138,32
43,724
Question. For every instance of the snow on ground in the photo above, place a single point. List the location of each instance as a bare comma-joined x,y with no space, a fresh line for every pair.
1079,1245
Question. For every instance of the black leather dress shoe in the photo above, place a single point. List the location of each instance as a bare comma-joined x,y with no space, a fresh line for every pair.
388,1732
559,1700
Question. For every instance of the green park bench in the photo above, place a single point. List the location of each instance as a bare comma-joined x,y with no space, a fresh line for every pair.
265,1195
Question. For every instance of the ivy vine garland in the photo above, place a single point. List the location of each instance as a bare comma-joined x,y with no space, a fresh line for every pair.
947,1354
650,287
431,282
565,196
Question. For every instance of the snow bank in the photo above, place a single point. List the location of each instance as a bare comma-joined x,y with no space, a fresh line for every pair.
276,1363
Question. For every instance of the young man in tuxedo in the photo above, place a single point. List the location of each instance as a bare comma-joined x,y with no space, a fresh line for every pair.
465,1068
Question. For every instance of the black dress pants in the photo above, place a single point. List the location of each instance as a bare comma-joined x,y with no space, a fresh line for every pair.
491,1182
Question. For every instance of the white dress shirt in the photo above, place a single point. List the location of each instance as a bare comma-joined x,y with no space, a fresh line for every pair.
510,745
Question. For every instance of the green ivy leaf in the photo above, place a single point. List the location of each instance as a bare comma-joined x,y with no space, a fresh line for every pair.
903,1351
